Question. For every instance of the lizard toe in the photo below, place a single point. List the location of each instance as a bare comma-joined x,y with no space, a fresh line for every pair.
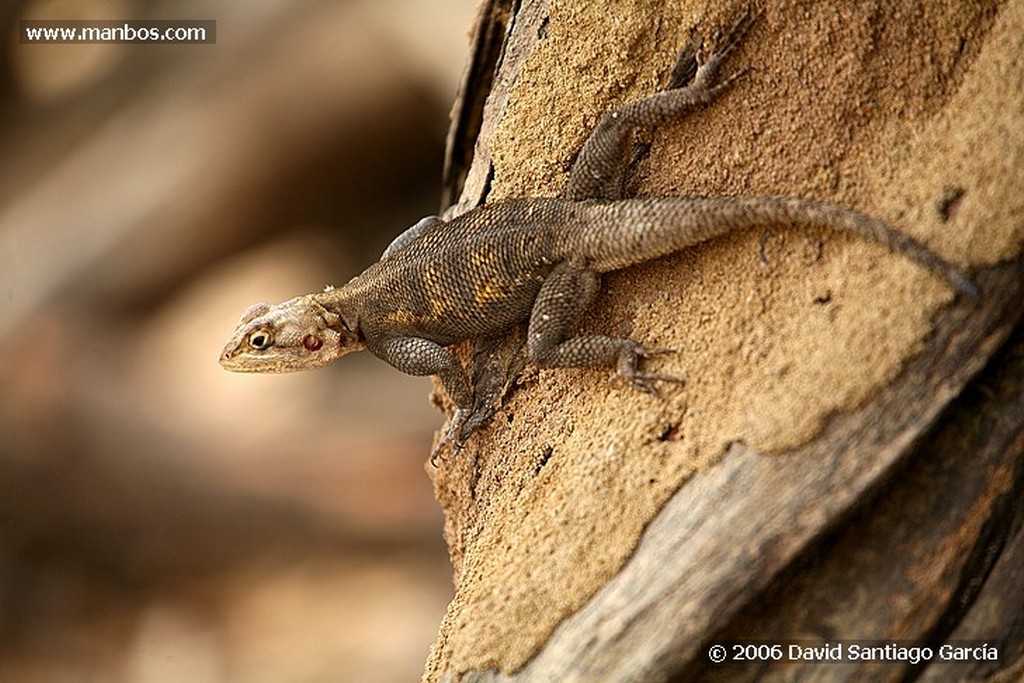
628,368
647,381
686,65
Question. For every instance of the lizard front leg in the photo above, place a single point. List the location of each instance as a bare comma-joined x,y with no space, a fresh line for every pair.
565,294
418,356
600,167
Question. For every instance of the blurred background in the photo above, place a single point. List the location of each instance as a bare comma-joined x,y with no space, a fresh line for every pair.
162,519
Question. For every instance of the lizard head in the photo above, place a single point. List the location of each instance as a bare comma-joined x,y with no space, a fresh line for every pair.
298,334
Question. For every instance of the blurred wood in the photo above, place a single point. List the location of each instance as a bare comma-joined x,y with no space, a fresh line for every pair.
123,207
122,204
885,528
902,521
490,32
124,200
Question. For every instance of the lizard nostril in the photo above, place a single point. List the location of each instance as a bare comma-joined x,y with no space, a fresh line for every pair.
312,342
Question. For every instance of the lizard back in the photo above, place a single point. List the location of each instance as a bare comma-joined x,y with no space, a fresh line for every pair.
474,276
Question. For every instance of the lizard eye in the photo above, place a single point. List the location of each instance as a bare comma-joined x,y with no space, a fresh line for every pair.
261,340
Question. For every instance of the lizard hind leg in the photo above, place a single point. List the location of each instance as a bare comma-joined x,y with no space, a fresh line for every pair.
600,168
497,363
565,294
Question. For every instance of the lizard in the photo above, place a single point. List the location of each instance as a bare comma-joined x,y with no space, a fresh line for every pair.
537,261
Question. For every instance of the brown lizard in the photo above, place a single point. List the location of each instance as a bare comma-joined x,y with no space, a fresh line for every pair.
535,261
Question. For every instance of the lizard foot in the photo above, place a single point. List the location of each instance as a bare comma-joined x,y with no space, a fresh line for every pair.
476,420
628,367
685,67
452,436
708,62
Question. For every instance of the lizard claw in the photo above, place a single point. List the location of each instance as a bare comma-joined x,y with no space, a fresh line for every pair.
649,353
644,381
722,85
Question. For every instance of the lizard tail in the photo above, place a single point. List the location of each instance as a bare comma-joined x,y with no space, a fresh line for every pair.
623,233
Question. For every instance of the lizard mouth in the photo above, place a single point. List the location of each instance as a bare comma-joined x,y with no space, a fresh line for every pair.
229,360
278,363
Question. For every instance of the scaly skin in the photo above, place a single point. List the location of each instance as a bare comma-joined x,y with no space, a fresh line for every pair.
534,261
